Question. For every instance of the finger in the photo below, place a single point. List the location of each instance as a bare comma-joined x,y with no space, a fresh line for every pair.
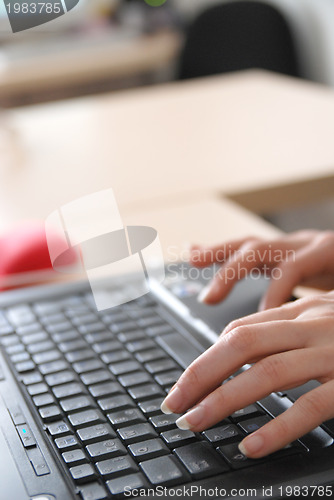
231,352
251,255
307,262
270,374
202,257
286,312
309,411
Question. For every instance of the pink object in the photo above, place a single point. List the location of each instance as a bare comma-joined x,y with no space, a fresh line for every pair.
24,249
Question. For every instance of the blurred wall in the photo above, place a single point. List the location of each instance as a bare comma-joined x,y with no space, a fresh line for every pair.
312,23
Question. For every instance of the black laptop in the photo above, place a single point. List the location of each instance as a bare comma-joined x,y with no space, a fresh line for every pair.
80,395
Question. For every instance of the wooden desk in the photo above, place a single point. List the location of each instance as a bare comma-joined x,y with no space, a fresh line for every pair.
232,135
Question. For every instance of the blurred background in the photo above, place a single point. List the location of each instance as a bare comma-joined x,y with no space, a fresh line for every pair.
112,46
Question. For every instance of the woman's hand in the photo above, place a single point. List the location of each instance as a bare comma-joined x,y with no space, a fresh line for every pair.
305,257
289,346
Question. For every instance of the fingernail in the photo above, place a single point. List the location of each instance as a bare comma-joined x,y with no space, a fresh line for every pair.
204,294
251,445
191,419
172,402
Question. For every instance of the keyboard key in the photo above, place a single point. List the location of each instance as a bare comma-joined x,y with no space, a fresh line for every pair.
136,313
34,337
59,327
49,413
253,424
124,367
46,357
140,345
201,460
151,407
150,321
83,319
115,467
9,340
154,331
122,486
68,390
164,422
104,336
95,377
31,378
83,473
74,356
19,357
178,437
146,450
167,379
124,326
58,428
160,366
43,400
59,378
74,457
25,366
120,402
146,391
77,403
106,449
14,349
53,367
92,328
224,434
96,433
26,435
52,319
131,336
127,417
26,329
164,471
35,389
235,458
111,345
93,491
138,432
135,378
65,336
87,366
245,413
40,347
118,317
72,345
106,389
113,357
150,355
67,443
86,417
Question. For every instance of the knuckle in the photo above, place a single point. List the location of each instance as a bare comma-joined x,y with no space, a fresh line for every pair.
312,405
251,244
236,323
282,427
241,338
192,374
271,368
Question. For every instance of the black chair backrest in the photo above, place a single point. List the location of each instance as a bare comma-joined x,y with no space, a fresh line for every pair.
238,35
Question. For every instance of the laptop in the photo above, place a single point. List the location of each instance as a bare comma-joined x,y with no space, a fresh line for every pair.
80,395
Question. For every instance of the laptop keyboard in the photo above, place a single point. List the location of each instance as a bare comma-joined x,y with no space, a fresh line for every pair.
96,381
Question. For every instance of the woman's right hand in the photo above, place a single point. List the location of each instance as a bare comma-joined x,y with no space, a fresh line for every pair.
300,258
